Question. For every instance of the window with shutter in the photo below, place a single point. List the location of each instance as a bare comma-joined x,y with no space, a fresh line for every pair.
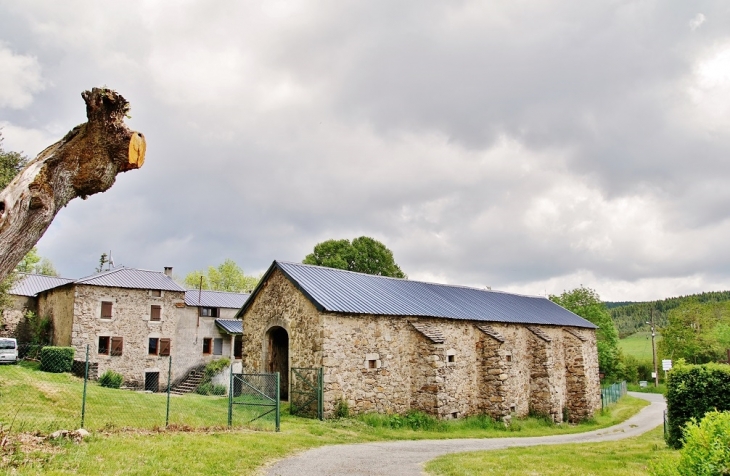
117,346
164,347
153,346
104,345
155,312
207,341
217,346
106,310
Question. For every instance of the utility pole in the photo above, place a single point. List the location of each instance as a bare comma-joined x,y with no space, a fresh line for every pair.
653,349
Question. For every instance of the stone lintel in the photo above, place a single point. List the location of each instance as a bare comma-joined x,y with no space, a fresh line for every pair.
491,332
575,334
429,332
539,333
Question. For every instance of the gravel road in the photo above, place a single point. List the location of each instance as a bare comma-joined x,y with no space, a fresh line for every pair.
408,457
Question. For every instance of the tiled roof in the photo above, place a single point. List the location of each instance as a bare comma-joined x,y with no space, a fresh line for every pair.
132,278
230,326
32,284
335,290
214,299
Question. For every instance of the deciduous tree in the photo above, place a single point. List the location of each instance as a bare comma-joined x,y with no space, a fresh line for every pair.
363,255
587,304
228,276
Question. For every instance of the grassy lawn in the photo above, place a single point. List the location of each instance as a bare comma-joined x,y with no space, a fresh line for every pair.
42,401
626,457
638,345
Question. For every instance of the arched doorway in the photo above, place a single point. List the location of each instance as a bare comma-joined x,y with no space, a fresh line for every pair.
277,356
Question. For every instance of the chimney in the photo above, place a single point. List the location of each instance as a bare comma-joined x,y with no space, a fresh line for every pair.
168,271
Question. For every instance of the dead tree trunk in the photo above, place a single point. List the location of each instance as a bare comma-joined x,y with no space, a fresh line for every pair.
86,161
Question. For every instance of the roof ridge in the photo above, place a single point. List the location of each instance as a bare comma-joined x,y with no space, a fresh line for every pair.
415,280
214,291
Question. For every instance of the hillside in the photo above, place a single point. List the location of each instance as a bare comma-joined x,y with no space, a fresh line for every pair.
632,317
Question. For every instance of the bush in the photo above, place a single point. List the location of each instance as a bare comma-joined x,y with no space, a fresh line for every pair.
692,391
706,449
57,359
214,367
111,379
342,409
413,420
208,388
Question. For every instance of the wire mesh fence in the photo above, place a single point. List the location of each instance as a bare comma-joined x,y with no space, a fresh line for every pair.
611,394
51,388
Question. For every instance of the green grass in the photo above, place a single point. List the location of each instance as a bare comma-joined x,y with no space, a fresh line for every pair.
48,401
627,457
638,345
650,388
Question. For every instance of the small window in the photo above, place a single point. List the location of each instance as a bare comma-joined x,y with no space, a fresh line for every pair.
508,357
155,293
372,364
209,311
155,312
207,345
164,347
217,346
104,345
451,358
154,346
117,346
106,310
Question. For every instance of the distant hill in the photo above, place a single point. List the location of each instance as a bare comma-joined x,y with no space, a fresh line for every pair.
631,317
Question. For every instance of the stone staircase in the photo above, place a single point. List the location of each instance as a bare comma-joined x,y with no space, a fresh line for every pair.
189,383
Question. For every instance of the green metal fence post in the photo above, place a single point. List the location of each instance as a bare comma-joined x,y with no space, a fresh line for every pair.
86,379
278,402
320,397
169,385
230,398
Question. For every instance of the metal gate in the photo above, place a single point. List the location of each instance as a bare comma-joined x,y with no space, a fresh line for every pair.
255,398
306,395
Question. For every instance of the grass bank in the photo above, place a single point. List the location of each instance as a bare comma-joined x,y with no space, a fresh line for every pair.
638,345
629,457
243,452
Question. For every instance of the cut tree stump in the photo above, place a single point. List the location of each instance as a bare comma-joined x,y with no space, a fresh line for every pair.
86,161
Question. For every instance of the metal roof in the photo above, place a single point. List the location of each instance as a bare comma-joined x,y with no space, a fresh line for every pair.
215,299
132,278
336,290
32,284
231,326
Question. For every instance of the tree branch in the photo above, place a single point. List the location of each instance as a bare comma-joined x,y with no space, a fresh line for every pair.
86,161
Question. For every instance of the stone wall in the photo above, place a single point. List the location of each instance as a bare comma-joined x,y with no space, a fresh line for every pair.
448,368
14,314
280,304
58,305
131,321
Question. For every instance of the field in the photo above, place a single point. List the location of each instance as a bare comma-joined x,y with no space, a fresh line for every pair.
638,345
42,401
627,457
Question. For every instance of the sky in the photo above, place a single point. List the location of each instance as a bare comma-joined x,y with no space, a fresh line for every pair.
527,146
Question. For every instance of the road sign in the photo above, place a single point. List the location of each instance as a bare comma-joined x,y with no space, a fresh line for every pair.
666,365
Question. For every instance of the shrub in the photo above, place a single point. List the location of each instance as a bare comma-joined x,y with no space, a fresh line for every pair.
692,391
214,367
706,449
208,388
342,409
111,379
57,359
414,420
218,389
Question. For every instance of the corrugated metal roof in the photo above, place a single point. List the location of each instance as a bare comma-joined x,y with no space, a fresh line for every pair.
32,284
231,326
335,290
132,278
215,299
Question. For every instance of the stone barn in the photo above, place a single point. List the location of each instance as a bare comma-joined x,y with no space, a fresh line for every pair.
393,345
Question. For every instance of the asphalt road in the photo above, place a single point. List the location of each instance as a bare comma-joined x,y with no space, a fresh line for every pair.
408,457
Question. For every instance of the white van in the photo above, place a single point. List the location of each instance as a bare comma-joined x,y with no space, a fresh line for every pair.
8,350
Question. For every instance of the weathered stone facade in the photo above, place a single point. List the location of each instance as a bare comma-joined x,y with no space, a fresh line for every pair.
446,367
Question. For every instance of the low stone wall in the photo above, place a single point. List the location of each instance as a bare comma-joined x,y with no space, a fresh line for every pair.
78,368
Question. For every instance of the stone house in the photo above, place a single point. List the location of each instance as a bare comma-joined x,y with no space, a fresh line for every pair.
134,320
392,345
24,295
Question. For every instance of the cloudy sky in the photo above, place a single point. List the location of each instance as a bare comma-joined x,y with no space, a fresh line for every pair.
529,146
